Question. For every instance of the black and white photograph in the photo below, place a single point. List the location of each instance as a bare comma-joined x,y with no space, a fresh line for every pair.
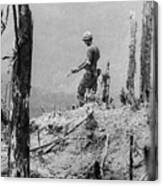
79,90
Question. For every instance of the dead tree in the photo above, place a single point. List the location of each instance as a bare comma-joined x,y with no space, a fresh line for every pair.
132,61
131,158
4,19
106,80
21,78
149,58
152,152
146,46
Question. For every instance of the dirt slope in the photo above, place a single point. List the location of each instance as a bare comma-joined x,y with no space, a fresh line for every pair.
89,142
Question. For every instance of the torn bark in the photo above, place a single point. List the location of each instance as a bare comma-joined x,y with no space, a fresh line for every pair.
146,46
132,61
131,158
21,79
5,20
148,94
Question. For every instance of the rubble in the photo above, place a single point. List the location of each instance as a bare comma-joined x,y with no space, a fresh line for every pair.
90,142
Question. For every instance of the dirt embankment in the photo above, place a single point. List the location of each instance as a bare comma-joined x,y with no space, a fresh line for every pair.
89,142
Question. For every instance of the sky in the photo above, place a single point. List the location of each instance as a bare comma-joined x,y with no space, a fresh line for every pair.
58,46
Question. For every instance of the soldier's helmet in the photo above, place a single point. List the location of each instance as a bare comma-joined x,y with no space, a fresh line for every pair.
87,36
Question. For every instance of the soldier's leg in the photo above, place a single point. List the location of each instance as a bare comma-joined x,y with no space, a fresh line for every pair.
84,84
80,94
93,83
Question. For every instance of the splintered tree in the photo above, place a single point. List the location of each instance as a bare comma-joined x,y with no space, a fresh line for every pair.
21,78
4,19
148,57
132,61
106,85
146,45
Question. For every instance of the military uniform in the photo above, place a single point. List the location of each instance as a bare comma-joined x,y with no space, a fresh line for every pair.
90,76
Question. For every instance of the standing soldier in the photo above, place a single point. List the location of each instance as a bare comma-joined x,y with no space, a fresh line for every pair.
106,85
89,64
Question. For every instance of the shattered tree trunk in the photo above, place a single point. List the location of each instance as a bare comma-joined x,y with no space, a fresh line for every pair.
132,61
4,19
152,153
21,78
146,45
106,90
131,158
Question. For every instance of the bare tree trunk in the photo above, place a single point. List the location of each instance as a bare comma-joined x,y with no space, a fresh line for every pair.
152,164
146,45
4,21
19,165
131,158
149,93
132,61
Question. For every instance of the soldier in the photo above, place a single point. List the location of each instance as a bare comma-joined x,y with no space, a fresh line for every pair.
90,63
106,85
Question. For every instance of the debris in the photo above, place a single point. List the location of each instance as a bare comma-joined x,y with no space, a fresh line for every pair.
92,143
104,155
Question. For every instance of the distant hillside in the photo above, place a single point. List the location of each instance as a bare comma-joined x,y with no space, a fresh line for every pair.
49,101
42,98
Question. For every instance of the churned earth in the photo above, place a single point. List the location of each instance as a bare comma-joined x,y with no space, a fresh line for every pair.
87,143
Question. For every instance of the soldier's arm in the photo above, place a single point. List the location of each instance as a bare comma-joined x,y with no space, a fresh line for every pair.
79,68
86,62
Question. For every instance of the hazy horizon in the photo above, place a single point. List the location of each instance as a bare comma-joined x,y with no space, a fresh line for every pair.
57,45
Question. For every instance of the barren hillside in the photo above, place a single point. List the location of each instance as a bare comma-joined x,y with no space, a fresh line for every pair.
89,142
